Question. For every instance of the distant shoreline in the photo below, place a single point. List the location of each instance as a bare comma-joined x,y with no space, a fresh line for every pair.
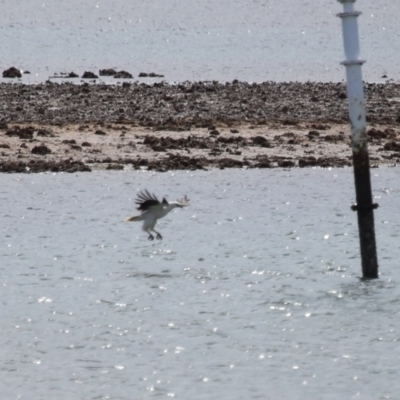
191,125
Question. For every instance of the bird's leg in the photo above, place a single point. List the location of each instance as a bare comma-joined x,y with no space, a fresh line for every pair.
159,237
151,237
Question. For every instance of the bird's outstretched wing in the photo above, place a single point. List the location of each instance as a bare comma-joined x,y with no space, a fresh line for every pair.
145,200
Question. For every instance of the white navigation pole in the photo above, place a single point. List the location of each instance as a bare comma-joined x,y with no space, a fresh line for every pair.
355,94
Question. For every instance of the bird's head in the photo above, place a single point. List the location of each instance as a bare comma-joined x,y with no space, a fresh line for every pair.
183,202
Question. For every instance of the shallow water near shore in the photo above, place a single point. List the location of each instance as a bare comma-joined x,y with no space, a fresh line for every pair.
252,41
254,291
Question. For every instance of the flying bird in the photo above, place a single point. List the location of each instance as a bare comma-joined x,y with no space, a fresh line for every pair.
152,209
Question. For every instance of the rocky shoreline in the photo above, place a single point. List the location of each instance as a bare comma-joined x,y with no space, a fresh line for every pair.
191,125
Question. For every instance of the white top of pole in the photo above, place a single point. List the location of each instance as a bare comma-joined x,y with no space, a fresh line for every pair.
355,89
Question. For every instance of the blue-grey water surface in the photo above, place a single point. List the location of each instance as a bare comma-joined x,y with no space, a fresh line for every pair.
254,293
249,40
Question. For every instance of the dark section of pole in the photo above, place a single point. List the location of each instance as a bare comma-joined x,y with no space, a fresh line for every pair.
365,213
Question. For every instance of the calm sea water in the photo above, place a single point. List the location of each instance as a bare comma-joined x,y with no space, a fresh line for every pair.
254,293
255,40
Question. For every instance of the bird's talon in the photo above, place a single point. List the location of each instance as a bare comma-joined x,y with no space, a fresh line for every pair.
159,237
151,237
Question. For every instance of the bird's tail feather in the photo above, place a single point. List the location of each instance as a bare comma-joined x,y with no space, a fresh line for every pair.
135,218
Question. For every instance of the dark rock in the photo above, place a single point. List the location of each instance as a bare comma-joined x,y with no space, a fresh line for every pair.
115,167
230,163
263,162
75,166
390,133
12,73
76,147
290,121
307,162
13,166
376,134
151,140
22,133
143,162
64,75
224,140
41,150
323,162
107,72
286,164
44,133
320,127
214,132
332,138
158,148
123,75
150,75
89,75
99,132
260,141
392,146
313,134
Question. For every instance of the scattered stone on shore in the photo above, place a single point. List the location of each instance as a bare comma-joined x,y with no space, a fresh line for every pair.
12,72
72,75
194,104
22,133
107,72
115,74
89,75
41,150
115,167
189,125
150,75
36,166
123,75
65,75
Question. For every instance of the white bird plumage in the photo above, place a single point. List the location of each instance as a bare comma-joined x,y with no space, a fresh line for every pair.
152,209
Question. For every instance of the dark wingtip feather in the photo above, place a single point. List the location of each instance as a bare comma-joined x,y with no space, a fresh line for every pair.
145,200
